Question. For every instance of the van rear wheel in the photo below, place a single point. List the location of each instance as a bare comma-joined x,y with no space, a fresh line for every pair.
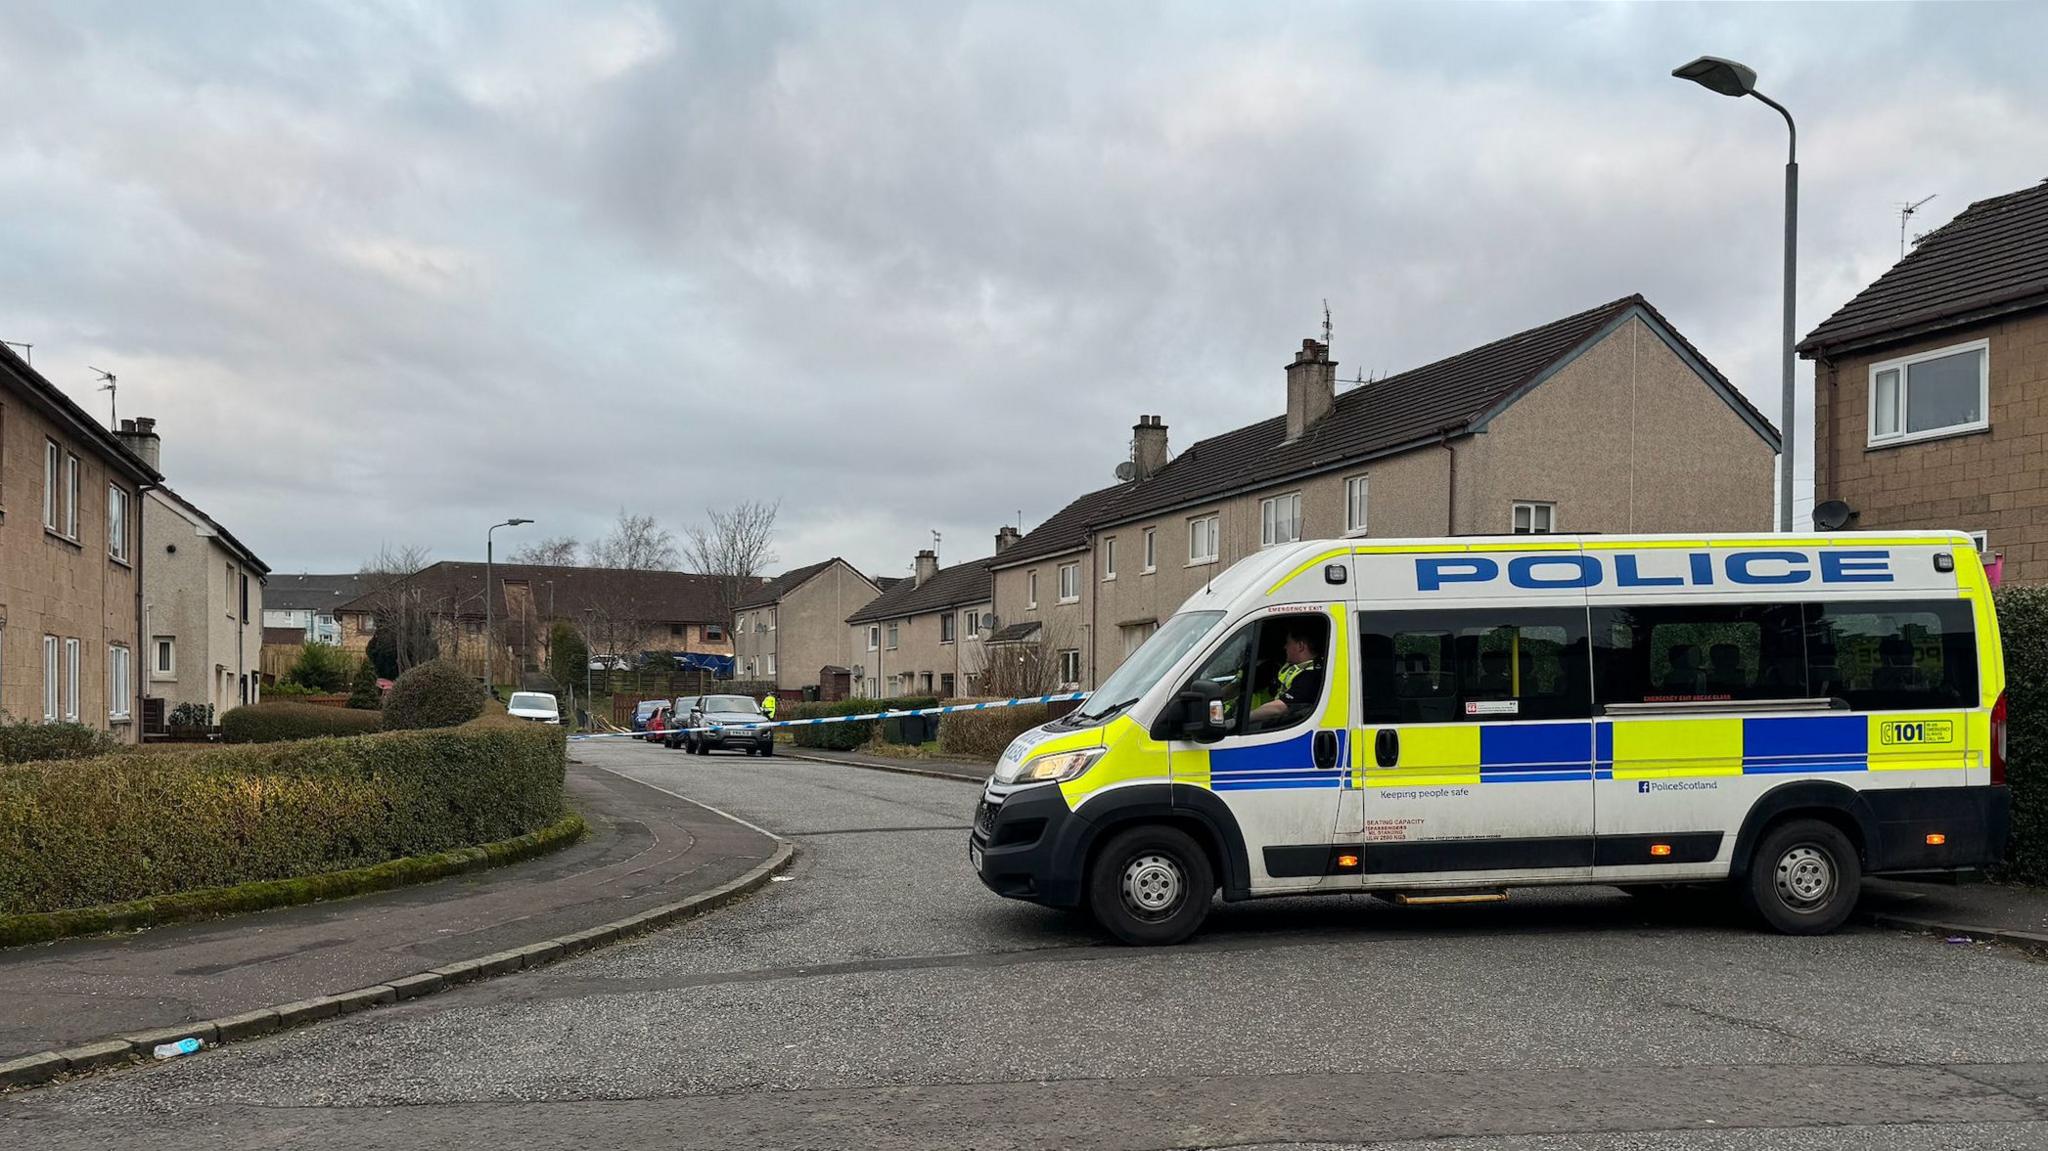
1804,878
1151,886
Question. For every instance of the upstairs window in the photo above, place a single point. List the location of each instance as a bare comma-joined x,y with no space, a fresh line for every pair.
1938,393
117,523
1355,491
1070,582
946,628
1280,519
1151,549
1202,540
1533,518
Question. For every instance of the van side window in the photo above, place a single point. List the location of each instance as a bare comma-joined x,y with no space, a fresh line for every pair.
1677,653
1270,675
1482,665
1894,655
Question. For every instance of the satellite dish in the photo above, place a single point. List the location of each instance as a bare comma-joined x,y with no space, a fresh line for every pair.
1127,471
989,622
1833,515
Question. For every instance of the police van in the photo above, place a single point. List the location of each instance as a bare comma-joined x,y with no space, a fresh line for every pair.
1441,720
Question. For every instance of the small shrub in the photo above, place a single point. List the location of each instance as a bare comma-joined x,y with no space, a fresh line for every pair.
322,667
191,715
844,736
27,742
363,693
437,694
286,689
981,736
278,720
2023,625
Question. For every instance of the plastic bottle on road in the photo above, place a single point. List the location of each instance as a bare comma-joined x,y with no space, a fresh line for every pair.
181,1047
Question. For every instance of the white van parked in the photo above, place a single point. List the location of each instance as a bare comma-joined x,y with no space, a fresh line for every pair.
1441,720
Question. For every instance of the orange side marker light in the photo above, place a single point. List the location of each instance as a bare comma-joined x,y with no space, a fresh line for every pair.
1660,849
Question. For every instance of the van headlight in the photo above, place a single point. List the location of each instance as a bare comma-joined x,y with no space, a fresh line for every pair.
1057,767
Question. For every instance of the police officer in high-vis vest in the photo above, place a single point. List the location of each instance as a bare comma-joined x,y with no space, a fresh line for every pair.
1301,682
768,705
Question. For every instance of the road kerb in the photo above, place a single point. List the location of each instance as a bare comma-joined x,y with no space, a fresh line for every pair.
2029,940
891,768
42,1067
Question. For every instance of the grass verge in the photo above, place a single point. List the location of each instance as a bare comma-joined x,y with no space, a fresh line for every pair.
207,903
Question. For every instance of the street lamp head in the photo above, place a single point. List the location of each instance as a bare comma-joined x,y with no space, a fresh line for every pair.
1724,76
516,522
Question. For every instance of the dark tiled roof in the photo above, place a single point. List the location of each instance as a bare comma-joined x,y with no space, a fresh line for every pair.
955,586
657,596
1015,632
1450,397
787,582
318,593
884,583
15,373
1991,259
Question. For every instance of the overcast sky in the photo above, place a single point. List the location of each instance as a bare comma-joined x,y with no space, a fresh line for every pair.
393,271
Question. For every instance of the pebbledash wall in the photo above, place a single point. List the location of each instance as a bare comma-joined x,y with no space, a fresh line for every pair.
61,584
1626,437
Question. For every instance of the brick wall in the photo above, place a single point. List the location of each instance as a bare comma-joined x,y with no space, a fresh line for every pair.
1994,481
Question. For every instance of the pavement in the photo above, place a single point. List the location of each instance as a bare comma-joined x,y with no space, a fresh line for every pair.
881,998
645,848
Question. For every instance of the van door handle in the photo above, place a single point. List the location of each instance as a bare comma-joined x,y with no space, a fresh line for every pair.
1386,747
1326,750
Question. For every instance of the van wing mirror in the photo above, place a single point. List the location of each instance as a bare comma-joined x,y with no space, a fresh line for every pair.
1195,714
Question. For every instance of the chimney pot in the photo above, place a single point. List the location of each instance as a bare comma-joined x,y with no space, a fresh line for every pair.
1148,446
1006,537
139,434
927,566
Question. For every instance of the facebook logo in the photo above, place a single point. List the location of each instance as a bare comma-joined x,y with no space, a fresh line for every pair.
1642,787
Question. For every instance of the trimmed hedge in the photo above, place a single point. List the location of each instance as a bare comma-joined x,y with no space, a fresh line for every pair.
982,735
133,825
279,720
437,694
2023,625
27,742
844,736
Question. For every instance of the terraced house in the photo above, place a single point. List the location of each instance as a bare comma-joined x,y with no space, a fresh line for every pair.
1931,387
794,626
924,635
1608,420
70,559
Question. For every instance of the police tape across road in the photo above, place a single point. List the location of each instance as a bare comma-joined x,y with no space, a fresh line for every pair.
946,709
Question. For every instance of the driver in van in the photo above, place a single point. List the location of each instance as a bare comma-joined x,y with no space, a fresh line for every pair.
1300,681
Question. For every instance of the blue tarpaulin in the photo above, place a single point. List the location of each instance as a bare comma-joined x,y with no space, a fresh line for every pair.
720,666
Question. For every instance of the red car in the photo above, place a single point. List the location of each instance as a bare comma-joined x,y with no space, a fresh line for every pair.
656,725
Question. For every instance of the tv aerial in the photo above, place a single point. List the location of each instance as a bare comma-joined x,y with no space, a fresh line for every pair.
109,385
1906,213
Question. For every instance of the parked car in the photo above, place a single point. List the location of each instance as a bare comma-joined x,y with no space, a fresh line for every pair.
644,714
710,710
538,706
683,706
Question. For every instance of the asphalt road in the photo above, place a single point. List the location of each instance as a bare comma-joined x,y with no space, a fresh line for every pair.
882,999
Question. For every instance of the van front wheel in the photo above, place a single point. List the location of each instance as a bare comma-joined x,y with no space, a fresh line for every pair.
1151,886
1804,878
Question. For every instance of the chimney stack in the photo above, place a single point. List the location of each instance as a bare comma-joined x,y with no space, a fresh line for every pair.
1006,538
1311,388
1148,445
140,437
927,566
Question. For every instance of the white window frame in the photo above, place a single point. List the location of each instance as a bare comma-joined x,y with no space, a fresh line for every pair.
120,683
895,635
1982,539
1357,504
769,667
1073,654
1903,366
874,636
117,522
1547,507
162,645
1109,559
1070,578
1031,588
949,627
53,471
71,470
1151,552
1269,518
71,681
970,624
1208,525
53,695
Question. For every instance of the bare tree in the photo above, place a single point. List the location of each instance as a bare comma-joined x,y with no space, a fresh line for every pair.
1030,666
733,546
400,601
558,551
635,543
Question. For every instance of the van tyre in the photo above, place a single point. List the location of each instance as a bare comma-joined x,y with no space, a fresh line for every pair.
1804,878
1151,886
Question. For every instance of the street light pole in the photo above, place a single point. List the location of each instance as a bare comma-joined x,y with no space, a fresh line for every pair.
1732,79
490,640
